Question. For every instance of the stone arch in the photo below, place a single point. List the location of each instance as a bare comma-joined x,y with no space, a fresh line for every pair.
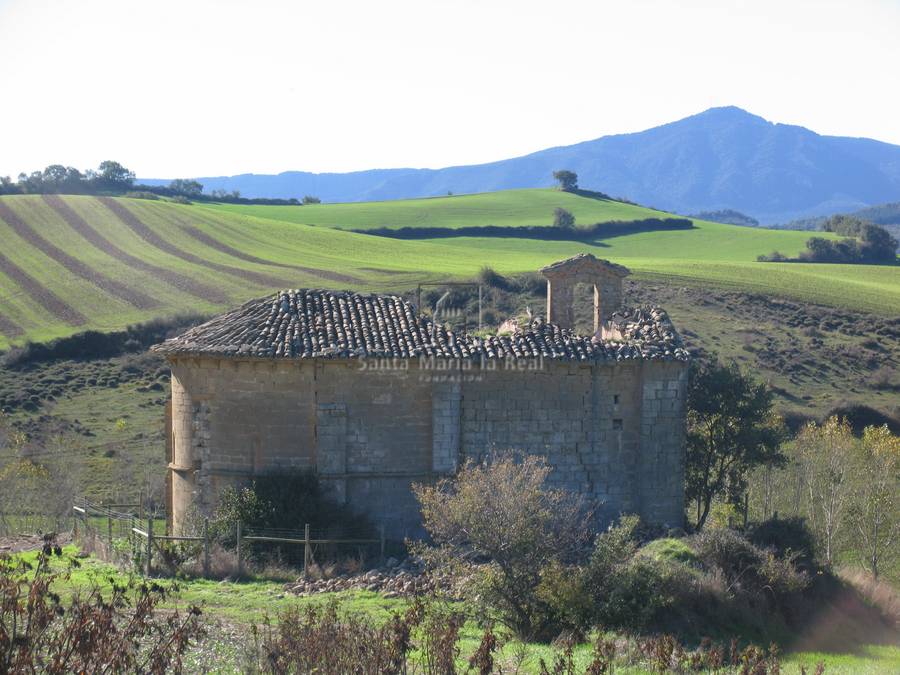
603,276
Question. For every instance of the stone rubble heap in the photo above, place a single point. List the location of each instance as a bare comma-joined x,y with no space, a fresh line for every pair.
394,580
317,323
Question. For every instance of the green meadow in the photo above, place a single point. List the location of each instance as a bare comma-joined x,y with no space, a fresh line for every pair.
202,258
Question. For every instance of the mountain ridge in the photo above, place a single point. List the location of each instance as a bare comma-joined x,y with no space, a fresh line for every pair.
721,158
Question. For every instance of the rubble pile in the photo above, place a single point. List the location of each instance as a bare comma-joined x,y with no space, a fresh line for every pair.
394,580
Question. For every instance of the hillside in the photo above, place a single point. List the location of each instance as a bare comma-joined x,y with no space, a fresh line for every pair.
72,263
723,158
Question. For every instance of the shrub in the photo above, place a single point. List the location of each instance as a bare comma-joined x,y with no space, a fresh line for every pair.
627,591
490,277
285,501
785,536
180,199
119,630
746,567
141,194
497,523
563,219
726,550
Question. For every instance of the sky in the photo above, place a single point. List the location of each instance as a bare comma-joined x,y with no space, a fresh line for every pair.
217,87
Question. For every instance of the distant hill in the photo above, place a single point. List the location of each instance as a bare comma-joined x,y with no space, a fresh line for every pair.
729,216
723,158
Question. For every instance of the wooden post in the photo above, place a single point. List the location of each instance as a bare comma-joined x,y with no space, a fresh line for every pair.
109,529
149,543
381,529
240,560
306,551
141,505
206,547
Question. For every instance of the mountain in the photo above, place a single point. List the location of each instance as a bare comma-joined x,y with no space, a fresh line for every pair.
723,158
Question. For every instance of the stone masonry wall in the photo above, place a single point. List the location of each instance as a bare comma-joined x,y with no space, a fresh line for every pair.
611,431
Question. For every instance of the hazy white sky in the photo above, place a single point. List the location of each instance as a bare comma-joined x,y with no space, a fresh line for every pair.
210,87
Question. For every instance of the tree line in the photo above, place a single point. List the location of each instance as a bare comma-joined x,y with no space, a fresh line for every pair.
864,242
112,178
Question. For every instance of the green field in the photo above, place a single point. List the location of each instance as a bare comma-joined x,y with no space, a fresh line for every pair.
76,262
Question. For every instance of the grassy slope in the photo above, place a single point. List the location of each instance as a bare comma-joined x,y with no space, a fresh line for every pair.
506,208
717,254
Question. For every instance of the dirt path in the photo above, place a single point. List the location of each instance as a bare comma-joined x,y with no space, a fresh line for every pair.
148,235
204,238
41,295
75,266
180,281
17,543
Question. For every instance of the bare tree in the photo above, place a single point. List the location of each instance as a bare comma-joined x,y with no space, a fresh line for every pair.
874,515
499,524
825,458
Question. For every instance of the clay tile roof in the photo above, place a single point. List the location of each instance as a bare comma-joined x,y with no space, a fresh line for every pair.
309,323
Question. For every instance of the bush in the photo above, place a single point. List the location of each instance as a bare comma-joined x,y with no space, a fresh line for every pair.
638,592
286,501
141,194
785,536
490,277
627,591
497,524
180,199
115,630
747,567
563,219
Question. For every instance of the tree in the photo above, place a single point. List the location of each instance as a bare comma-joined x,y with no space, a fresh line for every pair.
825,456
498,522
32,183
731,430
188,188
563,218
568,180
113,176
874,513
309,199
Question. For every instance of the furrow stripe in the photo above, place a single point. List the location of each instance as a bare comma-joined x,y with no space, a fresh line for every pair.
204,238
10,328
41,295
180,281
75,266
148,235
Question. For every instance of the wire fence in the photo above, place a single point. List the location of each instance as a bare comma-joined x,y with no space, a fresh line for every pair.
129,535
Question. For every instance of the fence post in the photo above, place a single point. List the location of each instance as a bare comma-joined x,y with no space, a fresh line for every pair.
206,547
141,505
149,543
109,530
306,550
240,560
381,530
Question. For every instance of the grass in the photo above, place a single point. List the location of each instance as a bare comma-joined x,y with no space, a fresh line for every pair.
231,608
309,240
505,208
